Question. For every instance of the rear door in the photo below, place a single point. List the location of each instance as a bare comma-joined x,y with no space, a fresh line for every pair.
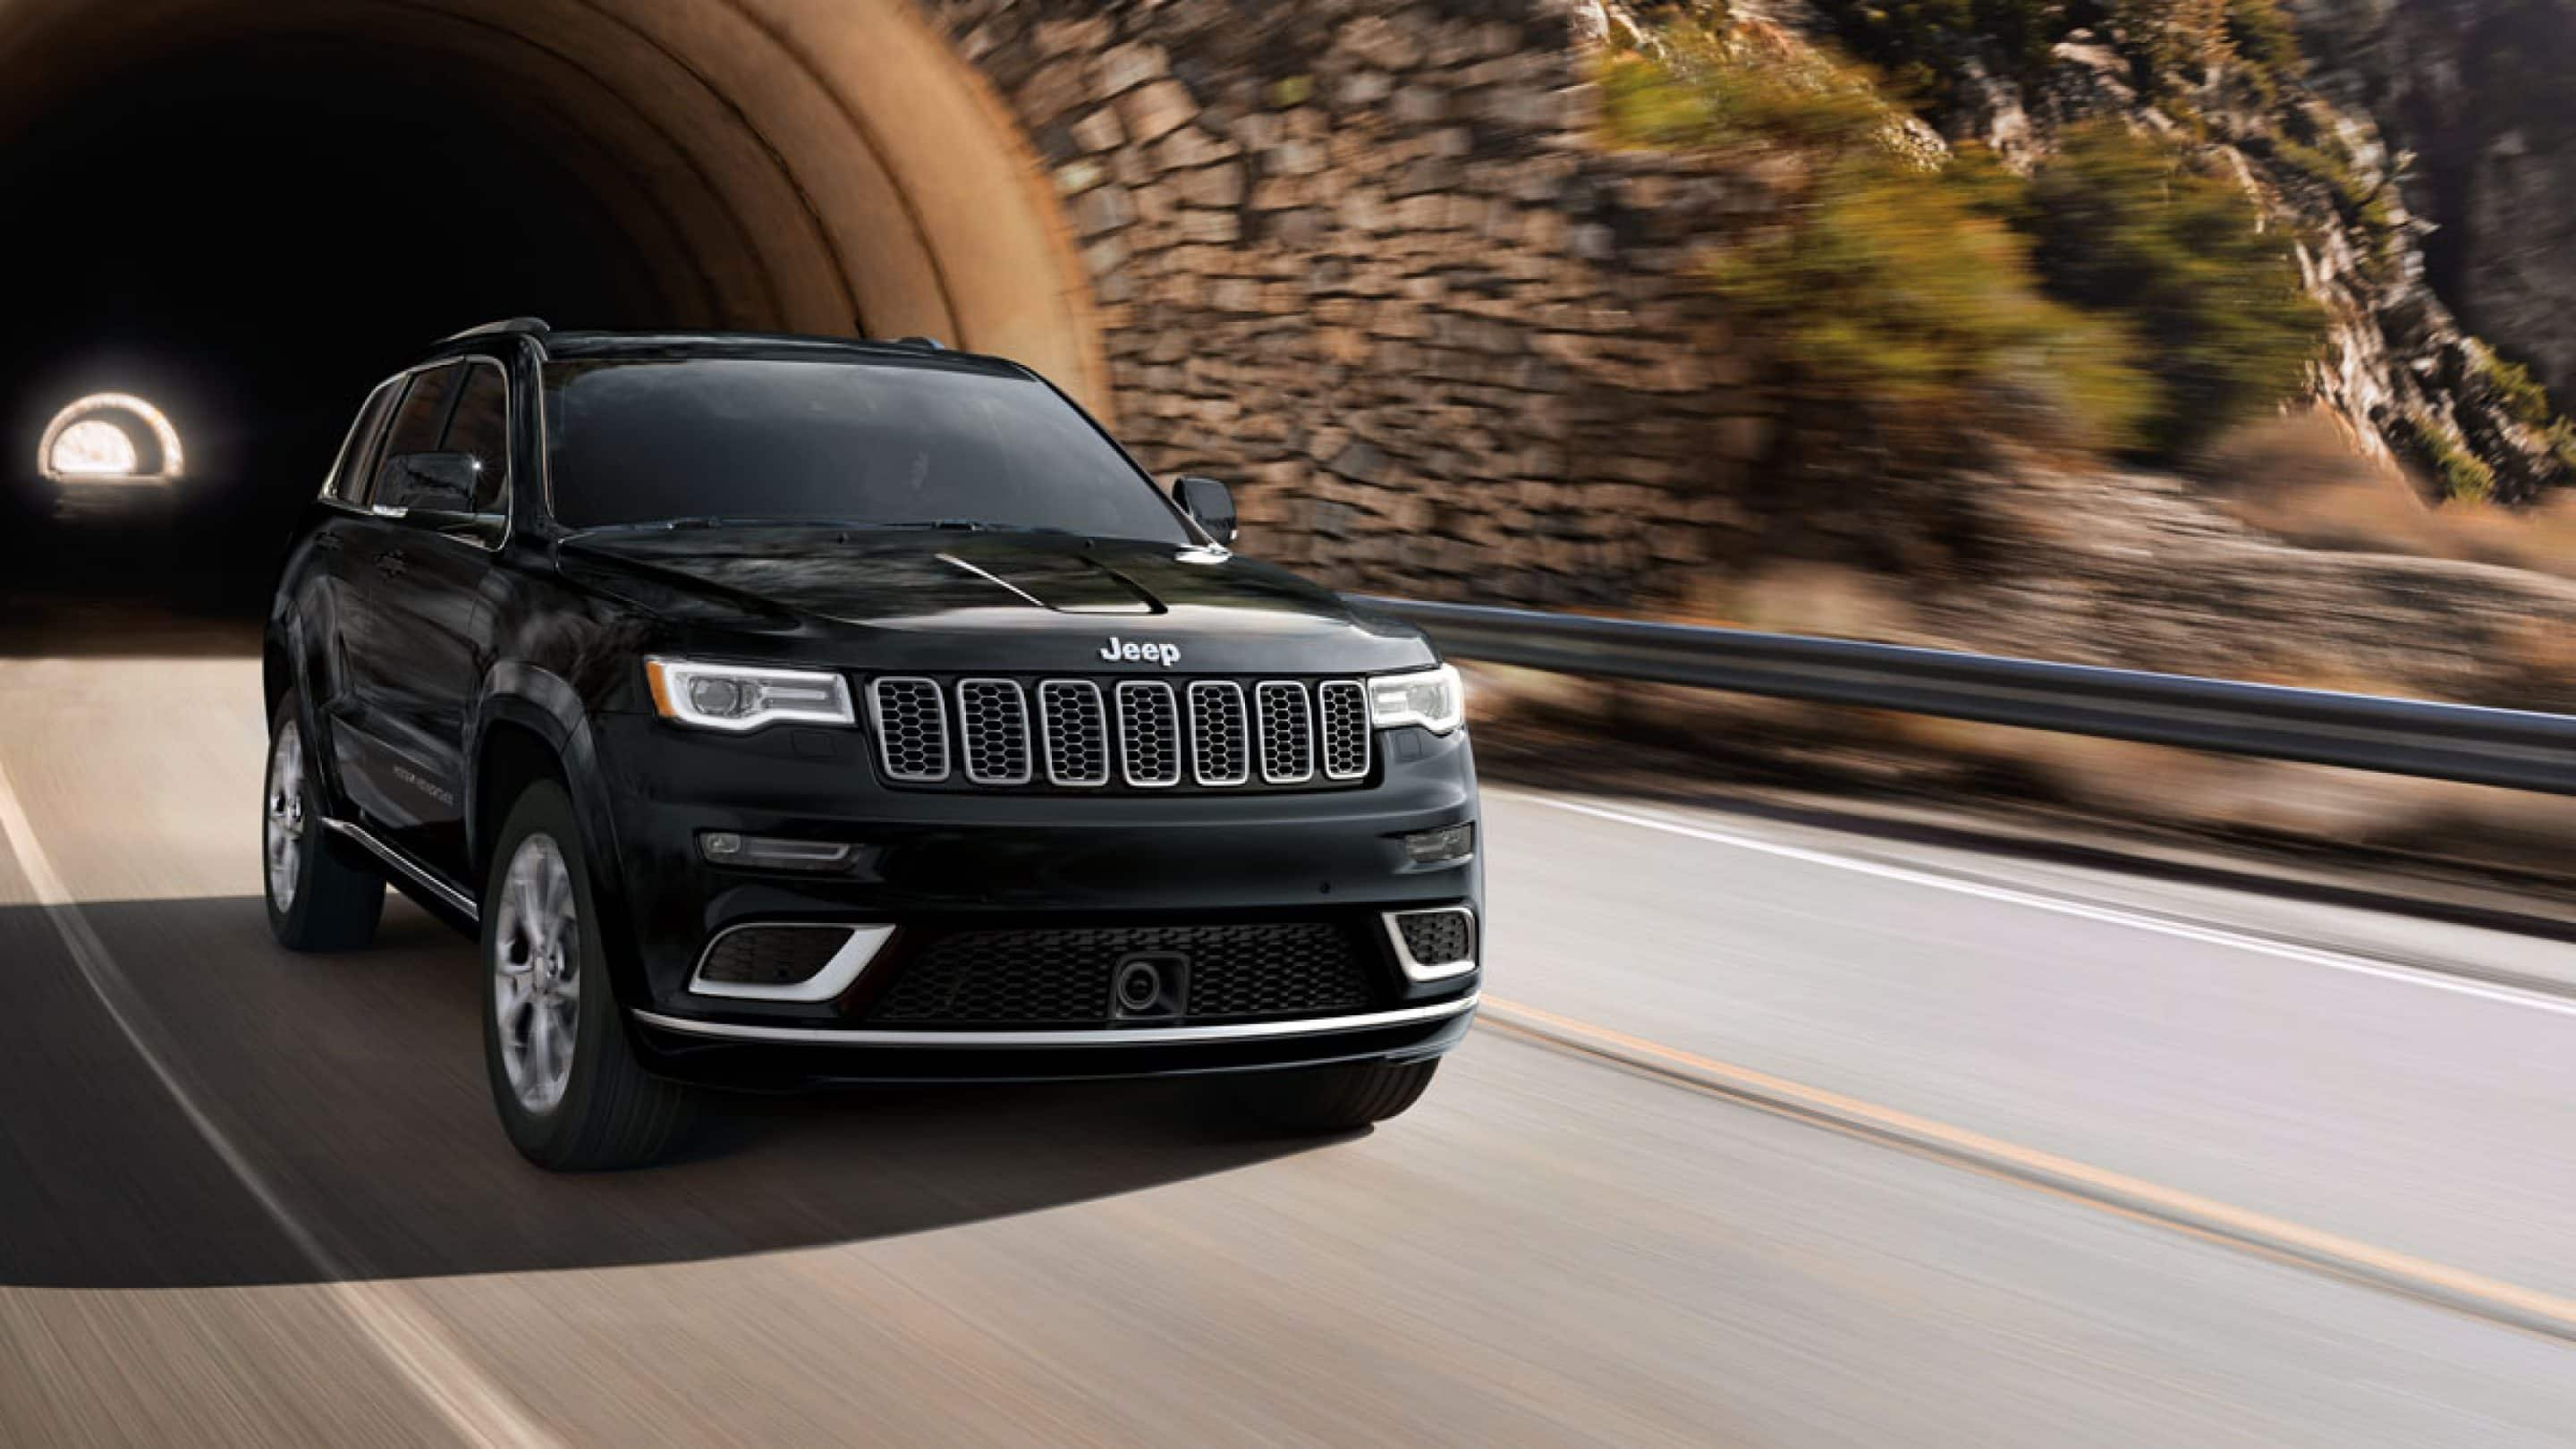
331,601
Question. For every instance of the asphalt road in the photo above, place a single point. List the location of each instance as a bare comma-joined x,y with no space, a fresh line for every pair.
254,1198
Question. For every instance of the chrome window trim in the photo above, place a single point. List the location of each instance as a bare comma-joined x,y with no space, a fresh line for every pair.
1261,730
1126,756
1439,970
420,875
876,727
846,965
1046,734
966,737
1198,758
1368,731
1084,1037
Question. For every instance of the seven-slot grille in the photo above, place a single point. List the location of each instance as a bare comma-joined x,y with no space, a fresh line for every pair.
1135,734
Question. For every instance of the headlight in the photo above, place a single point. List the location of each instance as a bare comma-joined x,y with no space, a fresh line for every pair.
739,697
1433,699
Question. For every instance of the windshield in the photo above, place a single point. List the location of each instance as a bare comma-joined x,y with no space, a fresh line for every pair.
652,440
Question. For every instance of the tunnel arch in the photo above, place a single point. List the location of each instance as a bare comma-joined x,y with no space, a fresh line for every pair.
152,443
808,165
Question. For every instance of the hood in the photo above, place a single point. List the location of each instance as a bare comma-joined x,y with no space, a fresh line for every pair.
953,599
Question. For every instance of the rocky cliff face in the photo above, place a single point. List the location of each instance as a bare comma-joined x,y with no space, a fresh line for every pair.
2424,153
2483,92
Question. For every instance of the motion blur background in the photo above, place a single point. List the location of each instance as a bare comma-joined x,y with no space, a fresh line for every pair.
2225,337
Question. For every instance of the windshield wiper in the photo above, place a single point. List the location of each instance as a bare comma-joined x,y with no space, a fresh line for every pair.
967,525
734,520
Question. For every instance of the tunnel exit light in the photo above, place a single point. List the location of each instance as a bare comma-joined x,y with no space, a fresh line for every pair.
110,437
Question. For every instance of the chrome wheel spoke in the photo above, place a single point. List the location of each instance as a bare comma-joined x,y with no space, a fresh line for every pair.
283,830
536,974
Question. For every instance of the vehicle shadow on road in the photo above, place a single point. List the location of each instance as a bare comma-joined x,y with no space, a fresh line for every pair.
353,1086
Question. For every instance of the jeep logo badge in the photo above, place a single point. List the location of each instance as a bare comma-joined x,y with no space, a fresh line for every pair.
1128,651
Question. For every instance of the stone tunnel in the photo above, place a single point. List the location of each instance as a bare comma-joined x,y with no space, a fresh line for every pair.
1373,264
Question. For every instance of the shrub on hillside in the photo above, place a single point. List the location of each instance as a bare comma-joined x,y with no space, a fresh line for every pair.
1899,302
1899,307
2124,228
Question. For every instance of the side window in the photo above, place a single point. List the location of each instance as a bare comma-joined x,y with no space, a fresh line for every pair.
351,474
481,427
419,419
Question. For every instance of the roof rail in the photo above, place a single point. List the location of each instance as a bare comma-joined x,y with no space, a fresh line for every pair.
536,325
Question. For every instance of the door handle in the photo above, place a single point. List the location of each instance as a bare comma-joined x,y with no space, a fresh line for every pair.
391,563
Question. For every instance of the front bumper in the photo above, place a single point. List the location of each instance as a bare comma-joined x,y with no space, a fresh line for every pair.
786,1058
955,861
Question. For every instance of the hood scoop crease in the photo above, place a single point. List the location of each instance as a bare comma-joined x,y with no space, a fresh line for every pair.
1065,584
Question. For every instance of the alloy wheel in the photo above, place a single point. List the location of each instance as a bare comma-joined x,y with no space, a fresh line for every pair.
536,973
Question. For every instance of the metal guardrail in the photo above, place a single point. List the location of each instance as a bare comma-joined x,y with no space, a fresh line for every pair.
2516,749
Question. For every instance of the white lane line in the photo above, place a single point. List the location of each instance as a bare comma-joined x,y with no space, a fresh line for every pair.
413,1342
2427,977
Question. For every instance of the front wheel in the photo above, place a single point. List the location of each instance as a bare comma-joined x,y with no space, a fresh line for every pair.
571,1094
1336,1098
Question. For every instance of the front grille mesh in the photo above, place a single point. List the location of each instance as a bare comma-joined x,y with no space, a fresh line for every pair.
1127,734
1064,977
1287,732
993,725
912,728
1149,734
1077,732
1220,737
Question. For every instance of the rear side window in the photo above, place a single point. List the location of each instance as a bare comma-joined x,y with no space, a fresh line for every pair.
481,426
421,417
356,467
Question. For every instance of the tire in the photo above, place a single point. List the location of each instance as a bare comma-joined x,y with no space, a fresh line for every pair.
580,1105
321,897
1336,1098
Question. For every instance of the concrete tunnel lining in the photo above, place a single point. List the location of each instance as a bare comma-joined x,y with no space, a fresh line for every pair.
809,165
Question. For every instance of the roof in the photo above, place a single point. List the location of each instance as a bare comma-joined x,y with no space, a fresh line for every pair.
761,344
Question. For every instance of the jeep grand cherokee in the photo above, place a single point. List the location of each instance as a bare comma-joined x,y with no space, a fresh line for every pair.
783,711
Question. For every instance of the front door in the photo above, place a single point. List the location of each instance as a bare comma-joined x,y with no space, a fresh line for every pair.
428,635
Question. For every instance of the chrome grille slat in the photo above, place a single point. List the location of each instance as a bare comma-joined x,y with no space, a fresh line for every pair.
1342,709
1076,727
910,717
1149,734
1287,732
1073,733
1220,734
993,731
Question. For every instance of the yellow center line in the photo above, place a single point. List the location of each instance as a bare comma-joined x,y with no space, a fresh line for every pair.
2351,1258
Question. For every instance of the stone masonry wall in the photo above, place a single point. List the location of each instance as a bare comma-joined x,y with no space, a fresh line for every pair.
1372,266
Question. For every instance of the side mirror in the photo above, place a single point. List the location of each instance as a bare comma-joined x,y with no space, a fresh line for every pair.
431,482
1210,502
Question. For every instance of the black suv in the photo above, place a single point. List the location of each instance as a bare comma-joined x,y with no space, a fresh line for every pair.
785,711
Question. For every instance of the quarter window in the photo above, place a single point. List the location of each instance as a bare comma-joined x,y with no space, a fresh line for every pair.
481,426
421,418
356,468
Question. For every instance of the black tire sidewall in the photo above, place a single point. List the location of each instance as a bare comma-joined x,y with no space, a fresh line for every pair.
295,926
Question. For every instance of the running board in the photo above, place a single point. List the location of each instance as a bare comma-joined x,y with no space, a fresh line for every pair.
419,875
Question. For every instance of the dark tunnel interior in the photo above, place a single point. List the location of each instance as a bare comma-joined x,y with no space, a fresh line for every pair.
247,212
251,236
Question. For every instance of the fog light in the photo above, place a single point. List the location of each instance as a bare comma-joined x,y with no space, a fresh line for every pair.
1435,847
764,852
